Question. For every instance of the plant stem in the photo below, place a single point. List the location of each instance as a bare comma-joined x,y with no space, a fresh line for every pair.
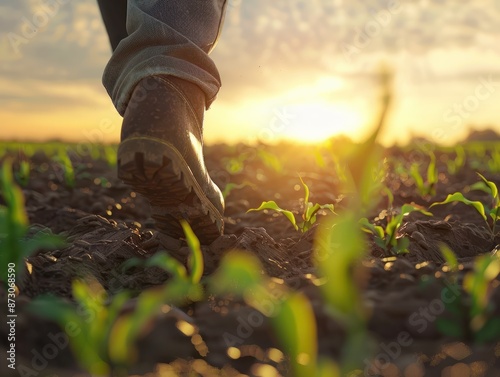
493,227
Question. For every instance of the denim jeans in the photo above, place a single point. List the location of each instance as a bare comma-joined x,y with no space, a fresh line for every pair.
161,37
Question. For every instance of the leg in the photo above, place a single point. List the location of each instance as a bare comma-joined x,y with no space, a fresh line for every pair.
114,15
166,37
161,79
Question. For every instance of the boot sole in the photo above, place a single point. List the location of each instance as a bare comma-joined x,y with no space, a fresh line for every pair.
157,170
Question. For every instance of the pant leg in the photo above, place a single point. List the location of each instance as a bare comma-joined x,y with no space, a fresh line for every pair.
166,37
114,15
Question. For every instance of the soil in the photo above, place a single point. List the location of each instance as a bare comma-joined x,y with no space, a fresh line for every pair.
106,223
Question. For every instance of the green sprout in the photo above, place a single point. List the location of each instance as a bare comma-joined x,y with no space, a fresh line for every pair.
195,260
339,168
425,187
107,343
234,186
236,165
309,214
23,174
185,281
456,325
493,211
339,247
110,155
387,238
67,166
14,227
270,160
494,161
458,162
475,316
88,339
450,258
484,324
296,327
291,314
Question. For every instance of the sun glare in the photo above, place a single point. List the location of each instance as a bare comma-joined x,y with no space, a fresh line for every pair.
313,122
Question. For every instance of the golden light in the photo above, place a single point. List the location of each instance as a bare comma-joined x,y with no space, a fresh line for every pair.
313,122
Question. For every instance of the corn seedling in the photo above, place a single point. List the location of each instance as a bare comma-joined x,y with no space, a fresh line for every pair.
309,214
110,154
478,284
23,173
319,158
457,325
340,169
426,187
387,237
90,343
236,165
454,165
234,186
107,344
291,314
450,259
476,155
184,286
67,166
270,160
186,279
473,318
494,160
14,225
484,211
339,247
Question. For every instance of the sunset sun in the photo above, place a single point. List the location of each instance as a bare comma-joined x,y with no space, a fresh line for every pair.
312,122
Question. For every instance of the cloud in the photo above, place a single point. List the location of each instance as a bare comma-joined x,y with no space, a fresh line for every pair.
271,45
53,42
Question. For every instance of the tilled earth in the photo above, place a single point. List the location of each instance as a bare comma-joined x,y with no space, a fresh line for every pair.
106,223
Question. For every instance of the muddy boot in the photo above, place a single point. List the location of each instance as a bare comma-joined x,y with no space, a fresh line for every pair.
161,156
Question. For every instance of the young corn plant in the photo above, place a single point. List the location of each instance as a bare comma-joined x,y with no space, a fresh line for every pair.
236,165
270,160
90,344
291,314
185,282
110,154
473,318
456,325
231,186
23,173
426,187
476,152
484,324
106,345
14,244
454,165
339,248
387,237
183,286
67,166
309,214
493,211
494,160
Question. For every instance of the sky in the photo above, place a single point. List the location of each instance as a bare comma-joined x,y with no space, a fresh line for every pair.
291,69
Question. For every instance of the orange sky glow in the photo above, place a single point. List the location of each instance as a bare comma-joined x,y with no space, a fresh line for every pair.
304,80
